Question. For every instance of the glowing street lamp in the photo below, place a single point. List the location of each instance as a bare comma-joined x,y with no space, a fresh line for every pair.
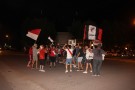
7,36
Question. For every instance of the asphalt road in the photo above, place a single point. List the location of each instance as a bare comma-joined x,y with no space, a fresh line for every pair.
14,75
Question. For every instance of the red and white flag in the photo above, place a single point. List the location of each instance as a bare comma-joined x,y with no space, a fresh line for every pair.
33,34
92,33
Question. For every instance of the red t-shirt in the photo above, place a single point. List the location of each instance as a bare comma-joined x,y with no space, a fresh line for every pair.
42,54
52,52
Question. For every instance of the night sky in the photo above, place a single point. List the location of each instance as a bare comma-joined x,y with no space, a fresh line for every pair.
115,17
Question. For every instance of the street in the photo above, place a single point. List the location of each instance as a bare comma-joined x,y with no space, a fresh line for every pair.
14,75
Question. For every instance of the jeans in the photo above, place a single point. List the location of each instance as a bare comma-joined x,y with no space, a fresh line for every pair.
97,66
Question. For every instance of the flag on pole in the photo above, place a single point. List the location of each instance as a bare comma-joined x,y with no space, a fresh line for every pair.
84,34
33,34
100,32
92,33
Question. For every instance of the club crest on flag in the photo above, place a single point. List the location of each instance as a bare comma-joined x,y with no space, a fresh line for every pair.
91,32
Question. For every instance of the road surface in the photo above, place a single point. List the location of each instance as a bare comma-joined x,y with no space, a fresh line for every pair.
14,75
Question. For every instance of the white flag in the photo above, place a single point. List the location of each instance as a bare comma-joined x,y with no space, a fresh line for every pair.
50,39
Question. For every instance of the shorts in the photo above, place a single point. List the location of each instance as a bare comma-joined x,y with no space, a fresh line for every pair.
41,62
88,60
35,58
69,61
53,59
80,59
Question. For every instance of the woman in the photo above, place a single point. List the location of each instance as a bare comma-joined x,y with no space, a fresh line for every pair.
89,57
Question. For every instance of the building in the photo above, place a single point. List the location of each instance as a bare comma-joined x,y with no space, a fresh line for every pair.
63,37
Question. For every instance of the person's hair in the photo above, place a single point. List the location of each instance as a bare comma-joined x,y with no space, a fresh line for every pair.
69,46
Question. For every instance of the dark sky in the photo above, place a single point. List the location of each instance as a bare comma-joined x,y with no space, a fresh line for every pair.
17,10
62,13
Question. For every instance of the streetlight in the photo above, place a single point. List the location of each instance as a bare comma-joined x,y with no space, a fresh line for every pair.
7,36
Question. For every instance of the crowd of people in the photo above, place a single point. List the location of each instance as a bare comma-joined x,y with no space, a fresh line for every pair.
82,58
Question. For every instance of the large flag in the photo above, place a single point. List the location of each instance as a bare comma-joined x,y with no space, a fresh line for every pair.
33,34
100,32
92,33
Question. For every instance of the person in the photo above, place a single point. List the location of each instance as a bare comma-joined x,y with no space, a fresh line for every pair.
41,58
97,59
75,52
69,51
30,57
46,55
74,57
89,57
59,54
35,55
52,56
79,58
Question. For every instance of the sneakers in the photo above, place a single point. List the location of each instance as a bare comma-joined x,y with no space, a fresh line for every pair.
66,71
94,75
42,70
90,70
39,69
85,72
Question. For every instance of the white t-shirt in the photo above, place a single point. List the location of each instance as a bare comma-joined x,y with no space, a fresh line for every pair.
68,53
89,55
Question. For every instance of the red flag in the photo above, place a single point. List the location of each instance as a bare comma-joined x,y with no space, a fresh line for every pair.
84,34
100,31
33,34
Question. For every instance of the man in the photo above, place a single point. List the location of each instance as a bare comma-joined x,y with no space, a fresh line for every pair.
69,51
97,59
35,56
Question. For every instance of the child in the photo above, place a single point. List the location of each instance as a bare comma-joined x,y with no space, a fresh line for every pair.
52,56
